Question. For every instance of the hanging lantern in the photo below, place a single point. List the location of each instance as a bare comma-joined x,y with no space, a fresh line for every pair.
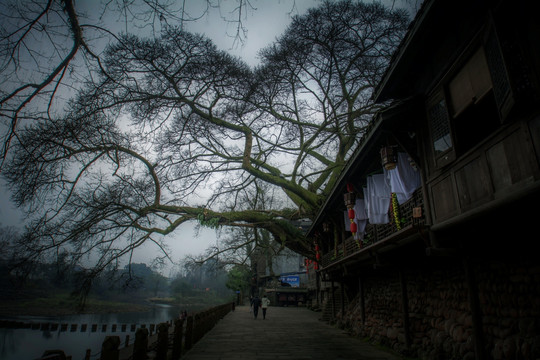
354,227
351,214
326,226
350,199
350,187
388,157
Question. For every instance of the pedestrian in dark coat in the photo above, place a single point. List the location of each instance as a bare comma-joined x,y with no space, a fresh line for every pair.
256,304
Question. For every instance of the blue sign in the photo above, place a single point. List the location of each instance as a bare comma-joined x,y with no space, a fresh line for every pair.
294,281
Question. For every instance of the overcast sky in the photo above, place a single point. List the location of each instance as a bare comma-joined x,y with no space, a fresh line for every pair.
264,23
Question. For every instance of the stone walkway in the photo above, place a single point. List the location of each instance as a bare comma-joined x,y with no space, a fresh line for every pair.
287,333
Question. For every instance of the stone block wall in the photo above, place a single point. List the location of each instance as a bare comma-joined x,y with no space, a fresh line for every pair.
509,295
441,324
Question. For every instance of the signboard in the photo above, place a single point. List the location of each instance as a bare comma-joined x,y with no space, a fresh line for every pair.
292,280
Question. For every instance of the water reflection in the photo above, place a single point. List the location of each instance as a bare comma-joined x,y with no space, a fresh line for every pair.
28,344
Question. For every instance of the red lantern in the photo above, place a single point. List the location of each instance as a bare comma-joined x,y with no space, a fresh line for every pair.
350,187
354,227
351,214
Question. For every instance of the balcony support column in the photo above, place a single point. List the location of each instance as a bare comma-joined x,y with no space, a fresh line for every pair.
474,303
362,300
405,308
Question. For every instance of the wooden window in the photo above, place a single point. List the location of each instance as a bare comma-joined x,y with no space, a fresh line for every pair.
470,84
501,85
439,124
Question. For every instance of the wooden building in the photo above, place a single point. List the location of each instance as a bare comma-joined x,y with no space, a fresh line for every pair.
442,194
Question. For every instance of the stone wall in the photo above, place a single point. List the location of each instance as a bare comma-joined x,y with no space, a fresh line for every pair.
509,295
441,325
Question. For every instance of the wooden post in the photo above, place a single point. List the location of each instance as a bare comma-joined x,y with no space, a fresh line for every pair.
140,347
342,285
362,301
177,339
189,332
474,303
109,349
405,309
333,301
162,341
88,354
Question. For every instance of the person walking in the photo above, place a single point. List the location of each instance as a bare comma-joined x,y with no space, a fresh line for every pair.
265,302
256,303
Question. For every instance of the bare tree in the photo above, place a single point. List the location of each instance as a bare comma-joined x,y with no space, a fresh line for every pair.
240,245
163,122
48,46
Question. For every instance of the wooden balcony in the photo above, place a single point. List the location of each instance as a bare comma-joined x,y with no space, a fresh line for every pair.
412,217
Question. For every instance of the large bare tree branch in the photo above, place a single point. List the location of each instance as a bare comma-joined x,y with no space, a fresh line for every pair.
168,129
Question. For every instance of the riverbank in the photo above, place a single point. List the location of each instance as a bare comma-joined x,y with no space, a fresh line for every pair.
61,305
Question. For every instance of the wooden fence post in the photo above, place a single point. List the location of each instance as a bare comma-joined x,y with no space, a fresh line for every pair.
177,339
162,341
189,332
109,349
140,347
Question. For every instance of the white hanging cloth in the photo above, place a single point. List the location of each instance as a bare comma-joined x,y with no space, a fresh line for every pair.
360,215
378,199
347,221
404,179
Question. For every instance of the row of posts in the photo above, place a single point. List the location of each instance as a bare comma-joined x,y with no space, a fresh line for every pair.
196,326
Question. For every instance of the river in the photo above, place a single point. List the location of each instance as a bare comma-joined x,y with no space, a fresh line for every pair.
29,344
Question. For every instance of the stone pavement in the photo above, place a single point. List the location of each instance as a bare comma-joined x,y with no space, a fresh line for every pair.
287,333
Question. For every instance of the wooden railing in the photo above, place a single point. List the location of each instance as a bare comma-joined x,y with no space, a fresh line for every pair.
171,340
411,215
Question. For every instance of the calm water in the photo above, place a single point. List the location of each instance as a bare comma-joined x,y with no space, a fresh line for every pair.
28,344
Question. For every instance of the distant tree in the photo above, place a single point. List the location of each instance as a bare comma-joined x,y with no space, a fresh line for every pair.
180,287
239,278
162,121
